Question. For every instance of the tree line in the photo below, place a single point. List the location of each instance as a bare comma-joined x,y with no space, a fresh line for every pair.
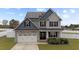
12,24
72,26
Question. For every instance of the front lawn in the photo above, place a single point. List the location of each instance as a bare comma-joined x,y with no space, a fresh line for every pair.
6,43
73,45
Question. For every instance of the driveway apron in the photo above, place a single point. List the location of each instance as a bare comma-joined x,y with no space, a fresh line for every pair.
24,46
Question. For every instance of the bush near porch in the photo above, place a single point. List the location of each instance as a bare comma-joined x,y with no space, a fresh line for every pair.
73,45
57,41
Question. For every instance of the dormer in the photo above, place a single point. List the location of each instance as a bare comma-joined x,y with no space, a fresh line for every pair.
27,23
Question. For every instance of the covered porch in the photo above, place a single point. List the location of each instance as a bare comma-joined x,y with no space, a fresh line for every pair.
44,35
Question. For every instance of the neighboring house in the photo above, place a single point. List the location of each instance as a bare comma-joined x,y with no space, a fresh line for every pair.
13,23
39,26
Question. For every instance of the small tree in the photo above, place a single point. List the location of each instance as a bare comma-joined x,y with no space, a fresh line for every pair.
5,22
13,23
66,26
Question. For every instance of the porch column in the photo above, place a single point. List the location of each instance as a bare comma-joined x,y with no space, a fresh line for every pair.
47,35
59,34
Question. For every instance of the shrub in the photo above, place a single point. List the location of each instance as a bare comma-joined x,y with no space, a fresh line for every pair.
53,41
50,40
4,36
57,41
61,41
66,41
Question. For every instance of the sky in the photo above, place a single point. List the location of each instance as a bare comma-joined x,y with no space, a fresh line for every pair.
68,15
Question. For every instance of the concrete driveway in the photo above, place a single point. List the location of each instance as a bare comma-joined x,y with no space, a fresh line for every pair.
23,46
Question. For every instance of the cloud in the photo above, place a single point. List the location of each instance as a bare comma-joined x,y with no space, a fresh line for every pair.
65,16
41,9
12,8
65,11
11,13
20,14
72,10
7,8
18,8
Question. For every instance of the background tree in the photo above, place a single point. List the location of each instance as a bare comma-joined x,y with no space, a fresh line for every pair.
73,26
13,23
5,22
66,26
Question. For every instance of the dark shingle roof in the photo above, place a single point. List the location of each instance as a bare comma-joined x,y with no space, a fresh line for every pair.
47,14
34,14
41,15
22,26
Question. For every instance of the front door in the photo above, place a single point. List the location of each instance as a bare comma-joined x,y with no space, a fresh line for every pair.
42,35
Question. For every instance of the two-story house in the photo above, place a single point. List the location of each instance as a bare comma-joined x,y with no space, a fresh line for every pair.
38,26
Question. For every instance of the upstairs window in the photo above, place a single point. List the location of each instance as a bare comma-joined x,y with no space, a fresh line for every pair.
27,23
43,23
53,24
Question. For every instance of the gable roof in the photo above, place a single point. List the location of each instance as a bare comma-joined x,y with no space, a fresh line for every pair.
34,14
47,14
38,15
43,15
23,27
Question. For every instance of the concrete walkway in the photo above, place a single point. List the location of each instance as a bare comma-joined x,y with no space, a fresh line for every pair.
22,46
42,43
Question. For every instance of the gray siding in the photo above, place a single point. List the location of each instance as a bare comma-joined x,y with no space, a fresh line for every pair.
36,22
53,18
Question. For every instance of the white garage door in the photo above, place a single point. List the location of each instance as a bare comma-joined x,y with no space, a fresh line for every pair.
27,38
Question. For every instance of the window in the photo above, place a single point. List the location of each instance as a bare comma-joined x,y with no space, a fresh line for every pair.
55,23
43,23
27,23
51,24
53,34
